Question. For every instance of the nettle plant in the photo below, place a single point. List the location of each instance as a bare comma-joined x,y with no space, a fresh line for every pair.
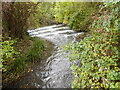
98,54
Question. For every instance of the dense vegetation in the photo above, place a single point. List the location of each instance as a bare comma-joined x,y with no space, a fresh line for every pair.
24,15
76,15
97,51
19,51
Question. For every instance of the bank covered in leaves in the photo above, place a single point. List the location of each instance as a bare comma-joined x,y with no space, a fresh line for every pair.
98,52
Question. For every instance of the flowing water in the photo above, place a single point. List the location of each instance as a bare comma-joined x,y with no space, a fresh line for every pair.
55,71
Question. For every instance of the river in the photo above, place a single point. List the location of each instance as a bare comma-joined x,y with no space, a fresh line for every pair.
55,71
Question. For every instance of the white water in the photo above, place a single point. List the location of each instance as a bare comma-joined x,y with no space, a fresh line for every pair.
56,73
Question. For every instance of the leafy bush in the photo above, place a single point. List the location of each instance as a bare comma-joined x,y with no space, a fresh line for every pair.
82,20
76,14
63,11
15,62
8,54
98,54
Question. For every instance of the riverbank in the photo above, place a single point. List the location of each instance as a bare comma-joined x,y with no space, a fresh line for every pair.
46,74
23,47
98,52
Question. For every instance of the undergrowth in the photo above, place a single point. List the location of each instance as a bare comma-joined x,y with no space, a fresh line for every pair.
14,61
98,53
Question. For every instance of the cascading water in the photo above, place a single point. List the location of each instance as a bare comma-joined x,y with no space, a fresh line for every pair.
55,73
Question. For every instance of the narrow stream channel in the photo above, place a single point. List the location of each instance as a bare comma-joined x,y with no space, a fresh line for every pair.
55,71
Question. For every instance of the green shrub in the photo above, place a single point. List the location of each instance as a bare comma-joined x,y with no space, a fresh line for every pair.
76,14
8,54
81,20
14,62
98,54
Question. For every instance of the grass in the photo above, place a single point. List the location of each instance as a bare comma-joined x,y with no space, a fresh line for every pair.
34,54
